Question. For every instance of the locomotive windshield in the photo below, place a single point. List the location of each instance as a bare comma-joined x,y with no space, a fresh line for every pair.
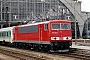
61,26
65,26
56,26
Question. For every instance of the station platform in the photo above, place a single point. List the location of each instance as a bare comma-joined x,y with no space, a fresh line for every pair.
81,39
80,47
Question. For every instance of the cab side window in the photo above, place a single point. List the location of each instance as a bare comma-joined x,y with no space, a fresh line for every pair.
46,26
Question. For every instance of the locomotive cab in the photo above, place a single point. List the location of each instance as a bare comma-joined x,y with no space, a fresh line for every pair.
60,35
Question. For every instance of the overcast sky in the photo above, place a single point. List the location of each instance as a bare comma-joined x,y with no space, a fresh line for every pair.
85,5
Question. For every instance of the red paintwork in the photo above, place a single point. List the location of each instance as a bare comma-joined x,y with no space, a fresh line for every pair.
45,34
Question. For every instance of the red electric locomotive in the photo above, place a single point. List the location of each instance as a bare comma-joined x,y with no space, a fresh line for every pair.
53,35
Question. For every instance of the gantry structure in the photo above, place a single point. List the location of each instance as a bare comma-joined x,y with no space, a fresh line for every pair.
14,12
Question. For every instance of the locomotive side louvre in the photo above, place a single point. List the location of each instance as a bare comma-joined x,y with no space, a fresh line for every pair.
27,34
33,33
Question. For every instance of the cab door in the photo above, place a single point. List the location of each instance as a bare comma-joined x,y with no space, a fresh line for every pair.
40,33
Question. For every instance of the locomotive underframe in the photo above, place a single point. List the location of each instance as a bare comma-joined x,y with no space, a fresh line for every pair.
54,46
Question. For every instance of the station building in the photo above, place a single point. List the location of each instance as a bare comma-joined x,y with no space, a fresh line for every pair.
14,12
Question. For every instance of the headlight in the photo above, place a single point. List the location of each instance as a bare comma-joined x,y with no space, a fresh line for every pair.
67,38
55,38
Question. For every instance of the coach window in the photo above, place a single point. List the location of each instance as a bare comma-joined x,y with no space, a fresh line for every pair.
6,33
46,26
0,34
9,33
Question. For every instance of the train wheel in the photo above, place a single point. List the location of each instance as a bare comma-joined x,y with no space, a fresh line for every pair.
37,49
20,45
8,44
27,46
3,42
0,43
40,47
49,51
16,45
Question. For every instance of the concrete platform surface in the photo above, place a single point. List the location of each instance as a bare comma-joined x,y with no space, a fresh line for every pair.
80,47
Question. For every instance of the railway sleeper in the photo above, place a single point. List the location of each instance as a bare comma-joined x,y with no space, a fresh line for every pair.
78,57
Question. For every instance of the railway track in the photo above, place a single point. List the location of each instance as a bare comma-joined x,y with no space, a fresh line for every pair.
83,44
82,40
21,55
78,54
